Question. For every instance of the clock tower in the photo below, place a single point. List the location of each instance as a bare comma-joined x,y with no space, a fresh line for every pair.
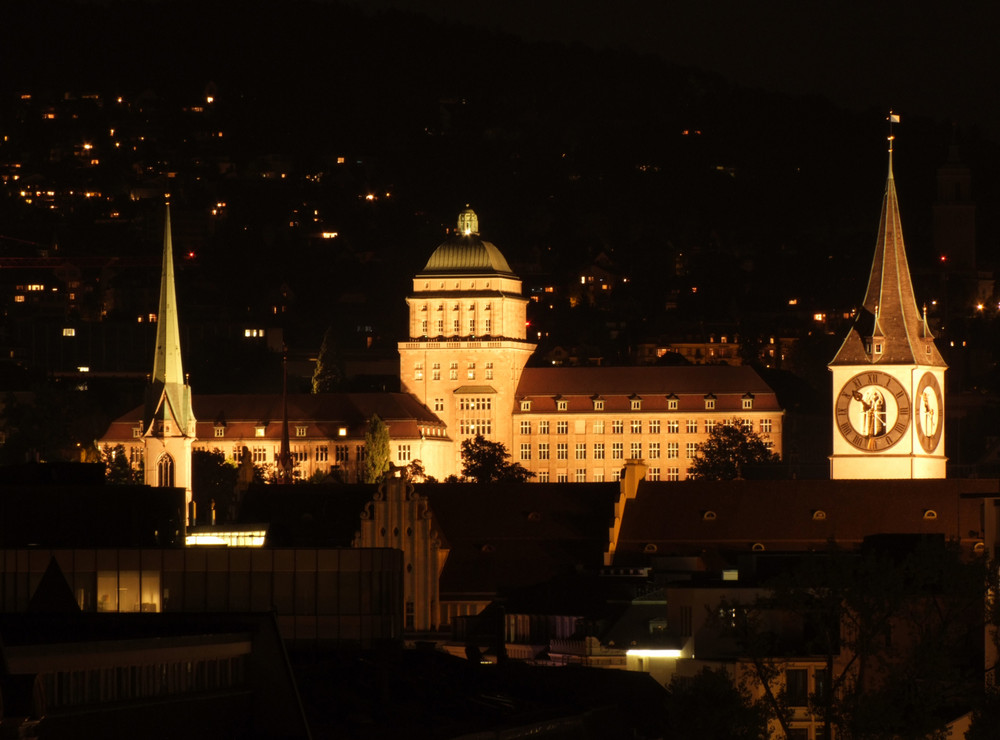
888,377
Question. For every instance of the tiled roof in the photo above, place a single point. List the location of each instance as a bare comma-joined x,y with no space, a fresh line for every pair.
686,518
579,386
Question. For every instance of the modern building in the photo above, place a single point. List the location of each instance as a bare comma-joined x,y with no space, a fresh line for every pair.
888,376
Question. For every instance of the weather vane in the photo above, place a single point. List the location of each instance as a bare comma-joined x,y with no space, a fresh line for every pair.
892,118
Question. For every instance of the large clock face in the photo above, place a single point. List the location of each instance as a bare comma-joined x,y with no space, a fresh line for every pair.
873,411
929,412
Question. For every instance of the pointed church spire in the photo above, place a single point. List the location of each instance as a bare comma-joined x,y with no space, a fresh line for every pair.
167,367
889,328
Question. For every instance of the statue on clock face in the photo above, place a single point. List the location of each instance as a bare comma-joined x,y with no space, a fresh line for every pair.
873,411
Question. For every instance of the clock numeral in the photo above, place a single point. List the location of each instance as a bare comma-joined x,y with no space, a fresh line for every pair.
901,393
858,440
858,382
904,411
873,378
900,427
845,428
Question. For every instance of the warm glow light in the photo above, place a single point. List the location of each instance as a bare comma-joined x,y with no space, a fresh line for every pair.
329,234
646,653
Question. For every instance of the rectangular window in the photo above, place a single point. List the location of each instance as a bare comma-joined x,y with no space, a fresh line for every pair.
691,450
797,687
654,450
453,371
543,476
525,450
673,450
220,431
598,404
672,404
562,427
709,403
489,371
439,404
341,454
471,371
598,450
525,405
617,453
562,451
260,454
487,324
561,477
635,404
747,404
673,474
617,427
525,427
436,371
636,426
599,475
598,427
616,474
300,431
440,327
709,426
472,327
322,453
423,327
654,426
765,426
653,474
692,426
543,427
636,450
747,425
543,450
418,371
403,453
454,326
581,450
581,475
258,431
673,427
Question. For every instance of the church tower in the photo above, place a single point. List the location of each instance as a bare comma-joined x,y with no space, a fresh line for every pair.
467,339
888,377
168,421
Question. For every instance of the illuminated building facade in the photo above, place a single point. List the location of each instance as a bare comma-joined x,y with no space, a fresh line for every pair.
468,344
465,360
888,376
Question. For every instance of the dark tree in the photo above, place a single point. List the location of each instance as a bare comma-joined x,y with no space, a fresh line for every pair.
118,470
328,375
710,705
376,450
484,461
729,452
213,480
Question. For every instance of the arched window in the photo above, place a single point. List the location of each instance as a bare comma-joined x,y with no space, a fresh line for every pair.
165,471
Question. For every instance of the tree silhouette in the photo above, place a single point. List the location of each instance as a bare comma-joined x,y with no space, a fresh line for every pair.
485,461
728,452
376,450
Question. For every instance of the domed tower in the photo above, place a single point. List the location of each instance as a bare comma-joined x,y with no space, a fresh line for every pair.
467,341
888,376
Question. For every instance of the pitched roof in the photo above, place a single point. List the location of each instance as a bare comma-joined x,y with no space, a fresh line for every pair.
578,385
694,516
889,315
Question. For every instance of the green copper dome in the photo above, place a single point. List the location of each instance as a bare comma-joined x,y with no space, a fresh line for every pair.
465,253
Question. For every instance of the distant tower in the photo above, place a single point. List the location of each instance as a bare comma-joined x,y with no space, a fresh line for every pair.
468,340
168,422
888,377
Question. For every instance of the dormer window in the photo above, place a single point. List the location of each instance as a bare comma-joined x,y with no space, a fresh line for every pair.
747,401
300,431
220,431
598,404
878,348
525,405
561,404
635,404
258,431
672,402
709,402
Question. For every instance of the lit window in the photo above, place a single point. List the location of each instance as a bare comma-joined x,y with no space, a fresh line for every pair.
525,405
525,450
673,426
617,426
635,404
709,402
617,451
672,403
599,427
691,450
692,426
543,427
403,453
636,426
525,427
747,402
654,450
598,405
561,405
598,450
654,426
300,431
543,450
69,332
562,451
765,426
673,450
258,431
581,451
220,431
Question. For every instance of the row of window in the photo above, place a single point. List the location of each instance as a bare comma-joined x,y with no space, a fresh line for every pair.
671,450
470,371
341,453
635,404
597,475
456,327
654,426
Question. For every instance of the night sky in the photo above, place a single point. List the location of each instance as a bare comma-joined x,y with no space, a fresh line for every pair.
938,60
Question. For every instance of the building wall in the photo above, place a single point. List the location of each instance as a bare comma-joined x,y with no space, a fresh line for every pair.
328,596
